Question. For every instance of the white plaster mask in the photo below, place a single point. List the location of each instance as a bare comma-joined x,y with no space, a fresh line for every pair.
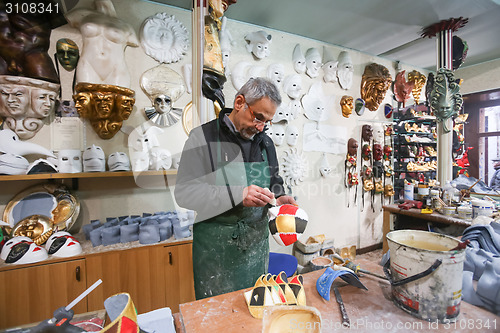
164,38
239,74
118,161
175,162
345,70
269,131
69,161
226,43
142,139
329,67
278,134
282,114
139,160
276,73
292,86
292,135
160,159
316,104
258,43
94,159
11,164
295,108
299,61
313,62
325,168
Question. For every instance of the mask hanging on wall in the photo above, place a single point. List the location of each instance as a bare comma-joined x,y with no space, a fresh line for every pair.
329,67
345,70
402,89
164,38
445,98
375,82
313,62
292,135
292,86
418,80
25,103
346,104
67,53
164,87
258,43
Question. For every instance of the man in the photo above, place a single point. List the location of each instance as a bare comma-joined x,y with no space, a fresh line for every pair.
228,173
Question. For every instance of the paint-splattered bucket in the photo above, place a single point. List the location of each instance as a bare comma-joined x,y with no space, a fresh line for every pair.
426,277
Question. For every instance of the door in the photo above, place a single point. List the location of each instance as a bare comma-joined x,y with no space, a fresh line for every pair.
179,283
31,294
137,271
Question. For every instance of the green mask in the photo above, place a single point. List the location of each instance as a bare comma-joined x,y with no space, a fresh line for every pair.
67,53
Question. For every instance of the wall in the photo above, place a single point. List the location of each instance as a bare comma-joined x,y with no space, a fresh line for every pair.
324,199
481,77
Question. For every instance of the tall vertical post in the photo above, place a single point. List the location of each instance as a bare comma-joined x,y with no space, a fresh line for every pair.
444,32
444,140
198,28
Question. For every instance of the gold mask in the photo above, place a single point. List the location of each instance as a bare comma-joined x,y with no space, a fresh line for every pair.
375,82
347,104
105,106
419,80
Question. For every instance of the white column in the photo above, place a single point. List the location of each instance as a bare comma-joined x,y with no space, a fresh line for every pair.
444,140
198,28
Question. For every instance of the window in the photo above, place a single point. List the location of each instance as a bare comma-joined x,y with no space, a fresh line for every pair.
482,132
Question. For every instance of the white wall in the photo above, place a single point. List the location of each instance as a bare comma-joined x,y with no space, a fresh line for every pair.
481,77
324,199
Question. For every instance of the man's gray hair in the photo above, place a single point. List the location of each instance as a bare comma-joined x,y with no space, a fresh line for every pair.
258,88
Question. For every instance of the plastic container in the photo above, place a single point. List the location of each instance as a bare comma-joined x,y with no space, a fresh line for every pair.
482,207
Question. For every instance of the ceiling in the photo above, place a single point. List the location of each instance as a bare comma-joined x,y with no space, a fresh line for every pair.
385,28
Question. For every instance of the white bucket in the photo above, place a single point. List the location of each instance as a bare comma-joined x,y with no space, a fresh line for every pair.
482,207
421,285
408,191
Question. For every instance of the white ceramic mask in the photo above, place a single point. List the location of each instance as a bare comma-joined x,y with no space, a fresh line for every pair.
11,164
140,161
295,108
69,161
325,168
118,161
258,44
330,71
269,131
163,104
299,61
282,113
278,134
94,159
276,73
345,70
292,86
313,62
292,135
160,159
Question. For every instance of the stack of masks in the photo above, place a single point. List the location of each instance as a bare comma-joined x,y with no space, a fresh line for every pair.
482,264
147,229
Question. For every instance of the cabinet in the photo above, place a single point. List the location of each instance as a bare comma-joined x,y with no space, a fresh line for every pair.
31,294
415,147
155,276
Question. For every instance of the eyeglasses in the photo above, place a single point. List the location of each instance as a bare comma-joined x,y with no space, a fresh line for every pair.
257,121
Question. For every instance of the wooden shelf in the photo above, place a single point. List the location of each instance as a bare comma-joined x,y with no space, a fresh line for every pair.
106,174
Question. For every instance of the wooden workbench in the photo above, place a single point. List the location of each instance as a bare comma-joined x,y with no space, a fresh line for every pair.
368,311
435,217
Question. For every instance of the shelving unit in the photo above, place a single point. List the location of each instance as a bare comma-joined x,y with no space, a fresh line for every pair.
413,148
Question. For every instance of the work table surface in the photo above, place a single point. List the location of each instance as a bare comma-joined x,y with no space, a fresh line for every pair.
368,311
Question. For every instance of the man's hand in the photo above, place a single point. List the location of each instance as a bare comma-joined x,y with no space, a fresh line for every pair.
286,199
255,196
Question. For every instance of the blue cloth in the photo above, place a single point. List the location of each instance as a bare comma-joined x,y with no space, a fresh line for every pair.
282,262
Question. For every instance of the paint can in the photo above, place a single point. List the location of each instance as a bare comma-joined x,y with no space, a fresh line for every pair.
425,276
482,207
408,191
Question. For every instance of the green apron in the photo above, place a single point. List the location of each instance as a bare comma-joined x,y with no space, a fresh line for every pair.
231,250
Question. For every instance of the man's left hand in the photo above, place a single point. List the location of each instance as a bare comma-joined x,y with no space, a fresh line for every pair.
286,199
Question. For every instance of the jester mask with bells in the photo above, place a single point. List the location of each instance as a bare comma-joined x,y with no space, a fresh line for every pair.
351,162
287,223
375,82
105,106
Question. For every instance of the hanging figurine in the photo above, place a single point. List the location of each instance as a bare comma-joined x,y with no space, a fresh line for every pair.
378,169
367,162
387,162
351,176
